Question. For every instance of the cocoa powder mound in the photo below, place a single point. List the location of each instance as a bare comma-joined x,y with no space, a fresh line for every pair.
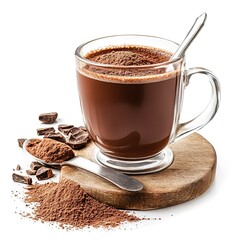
129,56
69,205
130,61
49,150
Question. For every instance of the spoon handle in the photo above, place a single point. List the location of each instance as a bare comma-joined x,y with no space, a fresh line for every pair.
197,26
117,178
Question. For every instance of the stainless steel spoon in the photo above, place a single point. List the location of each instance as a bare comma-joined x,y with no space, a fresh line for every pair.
195,29
117,178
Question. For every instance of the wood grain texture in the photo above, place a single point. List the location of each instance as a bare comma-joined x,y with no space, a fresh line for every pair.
190,175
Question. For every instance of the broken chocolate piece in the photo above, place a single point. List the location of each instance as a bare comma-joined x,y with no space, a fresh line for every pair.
64,128
77,138
48,117
21,179
21,141
56,136
35,165
18,168
31,171
44,173
42,131
77,130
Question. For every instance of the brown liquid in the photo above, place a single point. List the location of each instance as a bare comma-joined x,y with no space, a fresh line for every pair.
128,117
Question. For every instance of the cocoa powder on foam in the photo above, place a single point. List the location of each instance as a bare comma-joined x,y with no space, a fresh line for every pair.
128,64
69,205
129,56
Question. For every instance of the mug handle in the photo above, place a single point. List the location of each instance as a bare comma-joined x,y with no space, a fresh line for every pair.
186,128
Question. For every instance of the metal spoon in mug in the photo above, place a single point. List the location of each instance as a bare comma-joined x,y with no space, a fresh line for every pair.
195,29
117,178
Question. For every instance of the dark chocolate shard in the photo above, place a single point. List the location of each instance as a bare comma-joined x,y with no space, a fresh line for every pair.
21,141
77,138
48,118
77,130
31,171
18,168
64,128
35,165
55,136
42,131
44,173
21,179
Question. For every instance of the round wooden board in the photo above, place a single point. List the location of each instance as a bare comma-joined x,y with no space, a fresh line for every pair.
190,175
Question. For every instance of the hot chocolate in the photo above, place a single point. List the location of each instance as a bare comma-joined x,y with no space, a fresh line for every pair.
128,107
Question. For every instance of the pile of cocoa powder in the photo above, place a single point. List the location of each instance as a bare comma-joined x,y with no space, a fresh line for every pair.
129,56
126,56
49,150
69,205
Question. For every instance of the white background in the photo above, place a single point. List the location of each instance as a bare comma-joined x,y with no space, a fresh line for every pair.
37,74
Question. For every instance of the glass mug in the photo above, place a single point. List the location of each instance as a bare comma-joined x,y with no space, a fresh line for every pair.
132,112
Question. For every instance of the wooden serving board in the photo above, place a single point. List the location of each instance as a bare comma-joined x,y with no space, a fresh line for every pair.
190,175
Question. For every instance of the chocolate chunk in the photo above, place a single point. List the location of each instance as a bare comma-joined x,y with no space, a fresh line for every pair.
48,117
21,141
44,173
77,130
56,136
31,171
35,165
18,168
21,179
42,131
77,138
64,128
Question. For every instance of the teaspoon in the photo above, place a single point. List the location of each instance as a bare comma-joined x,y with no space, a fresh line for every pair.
117,178
193,32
